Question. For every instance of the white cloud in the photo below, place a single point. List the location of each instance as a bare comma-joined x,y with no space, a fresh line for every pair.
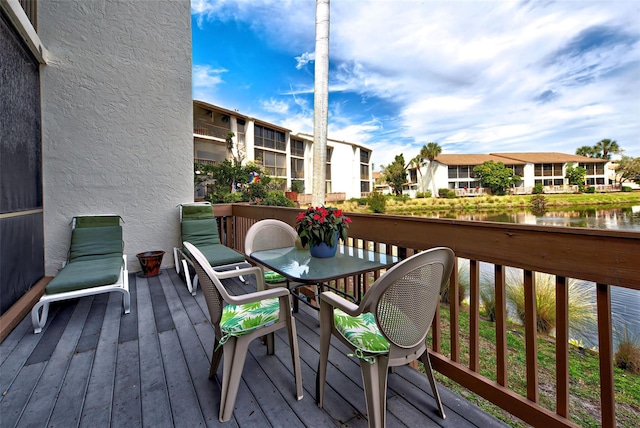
275,106
205,76
473,76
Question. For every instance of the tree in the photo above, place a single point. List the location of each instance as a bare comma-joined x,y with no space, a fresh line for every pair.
604,148
587,151
430,152
395,174
576,175
628,169
496,177
320,103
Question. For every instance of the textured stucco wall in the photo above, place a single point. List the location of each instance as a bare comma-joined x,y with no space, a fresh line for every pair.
116,119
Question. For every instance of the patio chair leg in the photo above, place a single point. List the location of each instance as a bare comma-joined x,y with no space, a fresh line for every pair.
270,343
426,361
176,261
325,343
235,353
295,356
38,319
215,359
374,379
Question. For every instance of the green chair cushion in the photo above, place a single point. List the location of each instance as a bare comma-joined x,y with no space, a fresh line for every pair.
272,277
89,243
81,274
218,255
197,212
200,232
361,331
241,319
98,221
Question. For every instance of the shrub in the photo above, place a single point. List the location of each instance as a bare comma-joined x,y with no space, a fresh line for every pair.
446,193
538,202
538,189
626,189
377,202
426,194
581,308
627,355
277,198
463,285
590,189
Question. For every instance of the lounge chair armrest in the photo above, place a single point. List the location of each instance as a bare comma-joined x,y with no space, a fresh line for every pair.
258,295
332,299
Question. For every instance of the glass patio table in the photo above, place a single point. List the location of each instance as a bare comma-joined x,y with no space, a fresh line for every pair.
297,266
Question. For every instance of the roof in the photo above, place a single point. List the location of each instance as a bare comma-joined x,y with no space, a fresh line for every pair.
471,159
548,157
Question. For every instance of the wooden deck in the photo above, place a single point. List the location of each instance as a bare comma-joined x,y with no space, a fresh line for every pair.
92,366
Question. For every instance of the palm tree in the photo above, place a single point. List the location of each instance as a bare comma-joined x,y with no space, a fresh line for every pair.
587,151
430,152
320,102
606,147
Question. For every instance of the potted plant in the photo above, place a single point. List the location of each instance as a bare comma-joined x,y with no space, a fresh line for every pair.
297,186
322,228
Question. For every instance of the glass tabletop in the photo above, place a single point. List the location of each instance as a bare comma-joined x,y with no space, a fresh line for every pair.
298,265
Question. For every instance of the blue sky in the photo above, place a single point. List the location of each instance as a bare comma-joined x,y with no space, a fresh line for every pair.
473,76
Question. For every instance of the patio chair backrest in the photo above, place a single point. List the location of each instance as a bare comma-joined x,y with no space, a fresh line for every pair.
196,211
214,291
95,237
404,299
268,234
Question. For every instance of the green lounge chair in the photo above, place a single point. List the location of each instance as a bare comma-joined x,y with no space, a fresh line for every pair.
95,264
199,226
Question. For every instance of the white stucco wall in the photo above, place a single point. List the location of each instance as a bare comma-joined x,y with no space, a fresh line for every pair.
117,119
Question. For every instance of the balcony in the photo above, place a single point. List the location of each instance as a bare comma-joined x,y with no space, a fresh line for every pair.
151,365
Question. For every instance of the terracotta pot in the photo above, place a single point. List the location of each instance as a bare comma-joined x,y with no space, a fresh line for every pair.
150,262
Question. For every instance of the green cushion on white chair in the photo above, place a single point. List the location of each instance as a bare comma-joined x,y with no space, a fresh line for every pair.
241,319
361,331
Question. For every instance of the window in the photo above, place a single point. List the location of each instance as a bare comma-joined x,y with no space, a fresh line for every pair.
272,162
297,168
269,138
453,172
364,173
297,148
365,186
328,169
600,168
413,176
364,156
537,170
518,170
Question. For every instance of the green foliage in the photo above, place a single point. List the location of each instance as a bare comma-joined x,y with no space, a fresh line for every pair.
496,177
602,149
377,203
627,189
277,198
426,194
590,189
576,175
581,309
322,225
538,202
538,189
629,169
446,193
297,186
401,198
463,284
395,174
627,354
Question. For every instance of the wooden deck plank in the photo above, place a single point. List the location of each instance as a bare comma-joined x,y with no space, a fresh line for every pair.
68,407
43,399
110,369
156,406
98,400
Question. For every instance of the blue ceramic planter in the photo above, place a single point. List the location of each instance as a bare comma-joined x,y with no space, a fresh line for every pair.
323,251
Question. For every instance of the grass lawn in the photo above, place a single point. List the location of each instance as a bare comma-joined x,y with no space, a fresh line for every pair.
494,203
584,371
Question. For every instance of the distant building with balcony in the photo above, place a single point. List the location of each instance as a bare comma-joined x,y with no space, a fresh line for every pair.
281,152
455,171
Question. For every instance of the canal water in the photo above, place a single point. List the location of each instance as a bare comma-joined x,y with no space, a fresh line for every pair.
625,303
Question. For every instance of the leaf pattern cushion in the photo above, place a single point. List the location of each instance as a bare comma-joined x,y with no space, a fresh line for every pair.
241,319
273,277
361,331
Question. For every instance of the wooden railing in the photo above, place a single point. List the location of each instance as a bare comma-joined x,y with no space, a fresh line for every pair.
604,257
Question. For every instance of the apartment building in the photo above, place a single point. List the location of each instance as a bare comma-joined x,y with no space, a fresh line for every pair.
220,134
455,171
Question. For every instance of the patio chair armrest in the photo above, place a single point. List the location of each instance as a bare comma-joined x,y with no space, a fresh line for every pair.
332,299
257,296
